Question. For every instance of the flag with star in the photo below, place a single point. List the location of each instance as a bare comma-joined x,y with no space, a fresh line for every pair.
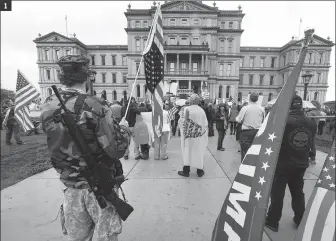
318,222
25,94
154,70
243,213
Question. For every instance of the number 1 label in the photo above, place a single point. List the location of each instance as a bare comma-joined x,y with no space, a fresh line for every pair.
6,6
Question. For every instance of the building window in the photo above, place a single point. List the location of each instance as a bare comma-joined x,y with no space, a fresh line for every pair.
57,52
58,73
270,96
320,57
251,62
241,62
284,59
196,22
261,80
171,66
262,62
310,58
172,22
114,62
220,91
48,74
240,96
195,41
272,80
316,95
251,79
137,24
145,24
230,45
124,60
67,52
221,46
125,93
283,78
50,91
184,41
230,25
114,95
184,66
124,78
221,69
138,91
145,41
103,59
297,56
172,41
273,62
318,77
195,67
103,77
137,66
92,59
222,25
114,78
46,55
241,79
137,45
184,22
228,90
228,71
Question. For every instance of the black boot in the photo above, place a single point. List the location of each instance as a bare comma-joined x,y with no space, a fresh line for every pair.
185,172
200,172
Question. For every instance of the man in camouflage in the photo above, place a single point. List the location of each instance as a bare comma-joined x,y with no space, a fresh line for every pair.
83,218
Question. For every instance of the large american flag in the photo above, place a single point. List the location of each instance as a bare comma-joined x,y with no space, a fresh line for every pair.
154,70
318,222
172,112
242,216
25,94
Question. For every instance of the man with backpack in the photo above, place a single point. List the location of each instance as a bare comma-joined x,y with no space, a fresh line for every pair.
81,214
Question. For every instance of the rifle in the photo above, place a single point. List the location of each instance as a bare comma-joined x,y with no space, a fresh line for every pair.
96,173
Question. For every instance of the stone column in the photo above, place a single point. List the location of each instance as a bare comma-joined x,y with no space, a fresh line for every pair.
202,64
189,86
177,62
165,62
206,63
190,62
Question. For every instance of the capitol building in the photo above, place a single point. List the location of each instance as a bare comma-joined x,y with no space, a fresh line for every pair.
201,47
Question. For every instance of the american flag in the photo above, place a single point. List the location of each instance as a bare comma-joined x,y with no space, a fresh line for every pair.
318,222
154,70
242,216
232,100
25,94
172,112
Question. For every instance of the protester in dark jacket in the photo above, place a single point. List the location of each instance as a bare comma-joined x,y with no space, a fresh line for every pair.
292,163
142,108
221,125
211,116
232,119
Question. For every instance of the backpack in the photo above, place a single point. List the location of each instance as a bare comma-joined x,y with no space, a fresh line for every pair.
110,135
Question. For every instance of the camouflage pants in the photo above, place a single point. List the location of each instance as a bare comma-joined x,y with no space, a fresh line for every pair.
136,146
86,221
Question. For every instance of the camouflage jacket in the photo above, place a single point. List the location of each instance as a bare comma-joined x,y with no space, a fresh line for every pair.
65,156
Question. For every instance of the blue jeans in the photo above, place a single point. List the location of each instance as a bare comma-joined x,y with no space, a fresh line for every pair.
221,135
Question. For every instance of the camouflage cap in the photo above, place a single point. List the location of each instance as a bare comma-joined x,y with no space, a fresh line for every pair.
74,69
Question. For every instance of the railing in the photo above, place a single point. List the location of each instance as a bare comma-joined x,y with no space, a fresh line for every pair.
184,91
203,47
186,72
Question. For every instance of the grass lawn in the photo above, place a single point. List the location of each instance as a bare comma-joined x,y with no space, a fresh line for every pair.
20,162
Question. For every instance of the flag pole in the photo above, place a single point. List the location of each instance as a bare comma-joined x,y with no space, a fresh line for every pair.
66,24
141,60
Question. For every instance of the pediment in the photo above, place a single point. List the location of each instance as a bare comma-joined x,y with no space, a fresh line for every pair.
186,6
317,40
53,37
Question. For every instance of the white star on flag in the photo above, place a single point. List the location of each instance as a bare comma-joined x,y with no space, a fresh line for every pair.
261,180
268,151
333,166
332,185
319,181
271,137
331,158
328,177
258,196
265,165
325,169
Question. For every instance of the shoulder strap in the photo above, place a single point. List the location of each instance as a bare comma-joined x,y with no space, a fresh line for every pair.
79,103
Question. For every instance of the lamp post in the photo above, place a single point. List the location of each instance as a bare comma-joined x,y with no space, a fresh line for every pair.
92,80
306,79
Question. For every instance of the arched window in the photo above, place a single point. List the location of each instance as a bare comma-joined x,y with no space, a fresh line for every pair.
220,91
240,96
49,91
228,90
138,91
114,95
144,89
308,96
125,93
270,96
316,95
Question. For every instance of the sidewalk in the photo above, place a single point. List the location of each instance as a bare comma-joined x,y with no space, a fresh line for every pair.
167,207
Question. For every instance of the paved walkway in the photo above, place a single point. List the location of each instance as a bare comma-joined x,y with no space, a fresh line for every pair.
167,207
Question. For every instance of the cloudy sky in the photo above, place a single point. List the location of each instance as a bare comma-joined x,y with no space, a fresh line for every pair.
265,23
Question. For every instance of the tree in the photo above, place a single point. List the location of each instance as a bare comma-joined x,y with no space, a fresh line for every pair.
7,94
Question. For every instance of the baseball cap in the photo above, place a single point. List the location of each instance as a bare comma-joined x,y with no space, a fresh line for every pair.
296,102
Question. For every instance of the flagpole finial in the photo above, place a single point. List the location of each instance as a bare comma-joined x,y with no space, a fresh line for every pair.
308,37
129,6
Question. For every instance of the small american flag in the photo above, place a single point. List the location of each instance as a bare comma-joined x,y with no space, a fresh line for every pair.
154,70
172,112
243,213
318,222
232,100
25,93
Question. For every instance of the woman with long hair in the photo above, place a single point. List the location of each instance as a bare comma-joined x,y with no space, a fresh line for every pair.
221,125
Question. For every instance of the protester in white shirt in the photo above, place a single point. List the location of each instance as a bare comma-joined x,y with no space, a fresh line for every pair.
321,123
160,149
